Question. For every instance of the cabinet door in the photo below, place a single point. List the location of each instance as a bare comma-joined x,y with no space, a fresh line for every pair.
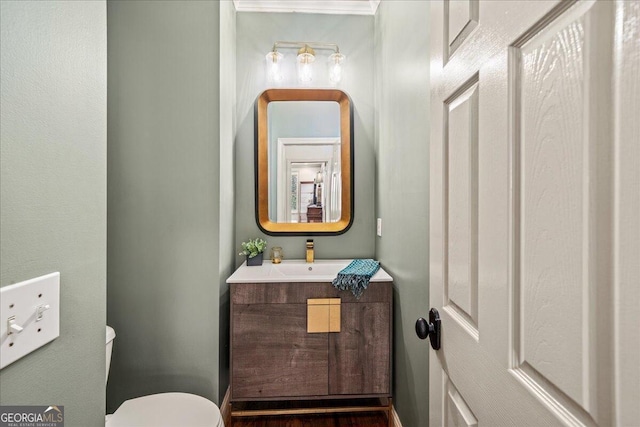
360,355
273,355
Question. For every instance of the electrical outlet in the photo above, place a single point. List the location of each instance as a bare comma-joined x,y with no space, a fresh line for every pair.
379,227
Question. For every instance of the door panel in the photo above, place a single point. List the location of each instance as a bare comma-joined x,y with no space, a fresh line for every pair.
460,19
457,412
359,355
461,286
562,168
528,186
554,211
273,369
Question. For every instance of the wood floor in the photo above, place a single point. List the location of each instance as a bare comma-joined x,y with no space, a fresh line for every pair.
363,412
324,420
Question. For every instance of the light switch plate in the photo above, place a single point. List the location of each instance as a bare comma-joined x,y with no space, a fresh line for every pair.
379,227
26,304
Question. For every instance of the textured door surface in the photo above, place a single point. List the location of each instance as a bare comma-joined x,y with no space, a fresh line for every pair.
360,355
274,356
534,204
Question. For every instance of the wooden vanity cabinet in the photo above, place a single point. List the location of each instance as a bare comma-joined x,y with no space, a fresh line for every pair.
273,357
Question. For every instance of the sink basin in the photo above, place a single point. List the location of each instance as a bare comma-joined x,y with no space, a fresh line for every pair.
297,271
314,269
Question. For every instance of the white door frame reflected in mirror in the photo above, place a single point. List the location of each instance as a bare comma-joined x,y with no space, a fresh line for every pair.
319,153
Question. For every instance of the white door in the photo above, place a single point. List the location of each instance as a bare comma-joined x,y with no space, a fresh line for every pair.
535,212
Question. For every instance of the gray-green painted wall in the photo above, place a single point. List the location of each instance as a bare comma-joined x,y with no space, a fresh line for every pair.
256,33
227,173
53,134
402,190
175,217
396,160
170,196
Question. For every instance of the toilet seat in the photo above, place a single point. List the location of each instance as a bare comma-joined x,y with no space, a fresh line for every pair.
167,410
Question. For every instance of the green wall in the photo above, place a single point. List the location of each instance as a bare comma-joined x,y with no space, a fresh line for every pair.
256,33
402,190
387,77
182,83
227,171
170,196
53,193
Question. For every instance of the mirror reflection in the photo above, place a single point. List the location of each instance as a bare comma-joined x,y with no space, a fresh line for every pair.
304,161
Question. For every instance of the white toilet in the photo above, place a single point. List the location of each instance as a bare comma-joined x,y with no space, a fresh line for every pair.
163,409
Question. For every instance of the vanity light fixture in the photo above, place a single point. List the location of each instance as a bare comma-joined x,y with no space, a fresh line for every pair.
305,59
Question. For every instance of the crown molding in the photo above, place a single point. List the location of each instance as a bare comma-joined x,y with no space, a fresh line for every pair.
336,7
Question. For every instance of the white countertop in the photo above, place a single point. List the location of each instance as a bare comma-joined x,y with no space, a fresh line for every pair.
294,270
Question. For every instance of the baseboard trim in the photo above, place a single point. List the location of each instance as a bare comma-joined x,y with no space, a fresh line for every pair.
396,418
225,407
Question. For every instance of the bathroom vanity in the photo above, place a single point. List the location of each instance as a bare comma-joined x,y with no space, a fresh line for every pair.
295,337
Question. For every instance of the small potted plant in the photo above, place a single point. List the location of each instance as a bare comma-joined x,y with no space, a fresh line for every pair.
253,250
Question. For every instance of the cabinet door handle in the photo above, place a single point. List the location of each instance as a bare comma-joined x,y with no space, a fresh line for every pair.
323,315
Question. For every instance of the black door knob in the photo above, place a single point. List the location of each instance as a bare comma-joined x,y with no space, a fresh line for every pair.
431,329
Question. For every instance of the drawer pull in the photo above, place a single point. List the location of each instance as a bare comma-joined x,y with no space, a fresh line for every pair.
323,315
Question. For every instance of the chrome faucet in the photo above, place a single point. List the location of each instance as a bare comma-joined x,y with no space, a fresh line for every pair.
310,250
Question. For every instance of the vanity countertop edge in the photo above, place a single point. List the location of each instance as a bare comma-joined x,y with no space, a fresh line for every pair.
298,271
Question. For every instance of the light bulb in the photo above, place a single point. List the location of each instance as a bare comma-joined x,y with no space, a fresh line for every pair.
274,71
306,57
335,67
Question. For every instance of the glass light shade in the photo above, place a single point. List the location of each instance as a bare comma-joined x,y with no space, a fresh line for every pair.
274,69
305,70
336,61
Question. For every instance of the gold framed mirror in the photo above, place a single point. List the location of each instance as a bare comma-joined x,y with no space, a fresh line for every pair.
304,161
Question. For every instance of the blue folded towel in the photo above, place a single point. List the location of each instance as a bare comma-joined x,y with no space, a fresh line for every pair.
355,277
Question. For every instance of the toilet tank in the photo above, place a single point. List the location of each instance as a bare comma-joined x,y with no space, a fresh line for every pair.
111,334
